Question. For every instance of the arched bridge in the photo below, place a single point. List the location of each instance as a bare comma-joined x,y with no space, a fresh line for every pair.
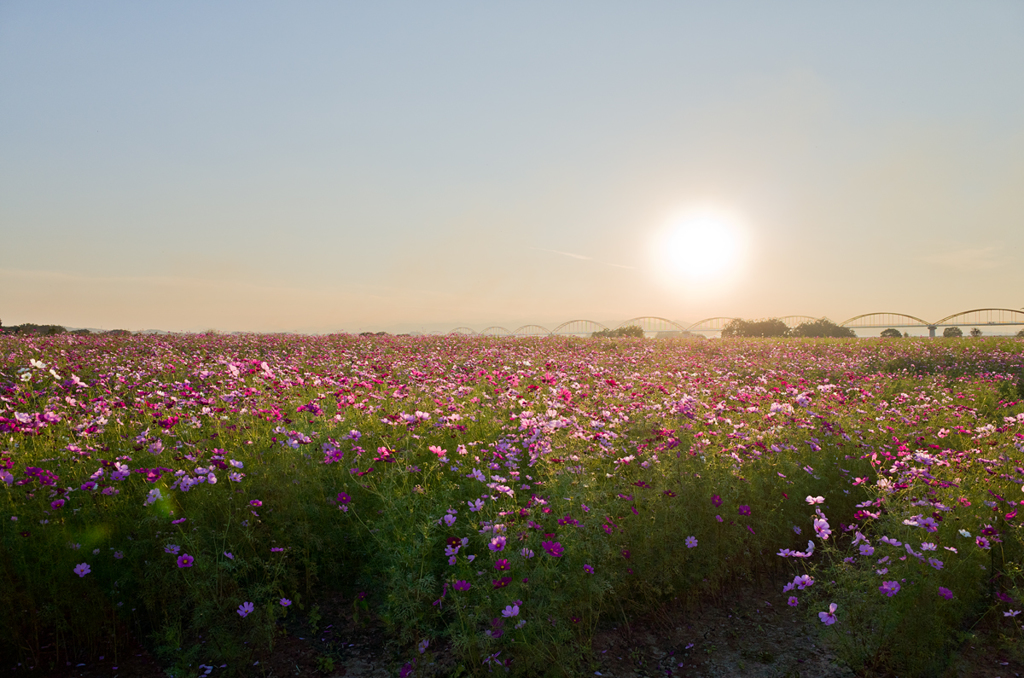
977,317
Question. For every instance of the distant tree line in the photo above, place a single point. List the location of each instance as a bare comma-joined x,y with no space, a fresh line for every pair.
31,329
628,331
773,327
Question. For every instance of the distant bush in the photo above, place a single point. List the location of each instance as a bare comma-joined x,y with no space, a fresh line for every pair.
822,328
892,333
952,332
628,331
30,328
772,327
975,332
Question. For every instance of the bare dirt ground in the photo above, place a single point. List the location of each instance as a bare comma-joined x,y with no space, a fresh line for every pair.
750,631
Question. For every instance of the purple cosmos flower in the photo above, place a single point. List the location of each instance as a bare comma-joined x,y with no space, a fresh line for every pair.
285,602
889,588
185,560
510,611
793,601
82,569
501,583
553,548
501,565
744,510
276,549
526,553
245,608
256,502
982,542
462,585
716,500
945,593
497,543
828,618
588,569
56,503
691,542
343,498
866,550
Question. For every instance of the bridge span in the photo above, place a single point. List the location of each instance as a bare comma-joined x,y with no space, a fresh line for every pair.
658,325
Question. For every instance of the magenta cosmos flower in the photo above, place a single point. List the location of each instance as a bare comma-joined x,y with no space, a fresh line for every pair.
462,585
744,510
553,548
716,500
185,560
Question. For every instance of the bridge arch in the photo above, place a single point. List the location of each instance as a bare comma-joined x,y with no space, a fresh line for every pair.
653,323
795,320
495,331
715,324
884,319
985,316
463,330
579,327
531,331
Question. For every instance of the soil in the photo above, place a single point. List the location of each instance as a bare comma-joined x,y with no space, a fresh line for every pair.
749,632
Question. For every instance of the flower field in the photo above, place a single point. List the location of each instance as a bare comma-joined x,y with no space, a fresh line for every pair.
502,499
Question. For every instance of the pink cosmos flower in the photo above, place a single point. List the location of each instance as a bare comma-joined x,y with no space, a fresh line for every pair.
691,542
828,618
501,565
815,500
256,502
889,588
497,543
793,601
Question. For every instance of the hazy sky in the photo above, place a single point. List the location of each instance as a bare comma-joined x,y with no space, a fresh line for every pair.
421,165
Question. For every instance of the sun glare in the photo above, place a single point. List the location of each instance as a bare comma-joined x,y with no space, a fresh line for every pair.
700,247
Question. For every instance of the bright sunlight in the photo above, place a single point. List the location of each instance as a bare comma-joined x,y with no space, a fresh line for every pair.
700,247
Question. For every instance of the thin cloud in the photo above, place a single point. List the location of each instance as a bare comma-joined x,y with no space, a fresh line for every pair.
581,257
971,259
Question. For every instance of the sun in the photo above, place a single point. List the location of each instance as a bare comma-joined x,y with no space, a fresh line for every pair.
700,247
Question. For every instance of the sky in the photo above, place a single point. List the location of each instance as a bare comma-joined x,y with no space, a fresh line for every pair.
410,166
